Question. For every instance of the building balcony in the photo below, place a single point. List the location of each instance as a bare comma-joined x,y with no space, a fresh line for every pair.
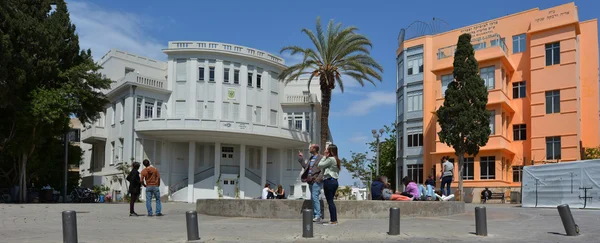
485,50
498,97
133,78
221,130
299,99
495,143
93,134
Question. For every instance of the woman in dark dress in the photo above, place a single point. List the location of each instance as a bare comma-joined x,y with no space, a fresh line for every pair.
135,187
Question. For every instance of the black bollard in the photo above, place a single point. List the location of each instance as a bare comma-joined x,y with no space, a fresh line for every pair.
191,220
567,219
69,221
480,221
394,221
307,223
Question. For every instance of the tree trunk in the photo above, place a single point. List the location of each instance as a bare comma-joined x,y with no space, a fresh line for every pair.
325,102
461,163
23,178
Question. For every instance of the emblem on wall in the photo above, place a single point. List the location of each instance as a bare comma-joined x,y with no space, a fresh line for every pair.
231,94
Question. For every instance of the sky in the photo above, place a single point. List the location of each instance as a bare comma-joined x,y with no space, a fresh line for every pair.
144,27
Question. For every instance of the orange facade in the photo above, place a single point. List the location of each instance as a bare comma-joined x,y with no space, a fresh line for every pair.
541,68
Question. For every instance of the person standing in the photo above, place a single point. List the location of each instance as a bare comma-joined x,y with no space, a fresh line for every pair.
447,174
134,187
151,181
331,166
314,177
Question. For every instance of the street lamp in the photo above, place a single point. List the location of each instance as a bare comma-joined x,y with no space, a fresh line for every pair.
377,136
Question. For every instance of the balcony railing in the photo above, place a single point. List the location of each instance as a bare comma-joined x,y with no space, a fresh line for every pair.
141,80
300,99
449,51
225,47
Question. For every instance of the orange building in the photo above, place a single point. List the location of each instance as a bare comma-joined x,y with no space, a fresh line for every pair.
541,70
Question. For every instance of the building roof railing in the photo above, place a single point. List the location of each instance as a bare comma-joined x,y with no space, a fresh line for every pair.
448,51
206,45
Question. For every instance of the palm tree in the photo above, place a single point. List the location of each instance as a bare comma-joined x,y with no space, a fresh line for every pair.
336,53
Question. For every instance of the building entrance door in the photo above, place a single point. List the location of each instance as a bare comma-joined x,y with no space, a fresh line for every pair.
228,187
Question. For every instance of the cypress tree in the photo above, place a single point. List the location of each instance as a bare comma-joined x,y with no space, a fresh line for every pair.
464,120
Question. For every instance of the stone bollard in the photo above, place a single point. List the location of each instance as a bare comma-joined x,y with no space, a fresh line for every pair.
307,223
567,219
480,221
191,220
69,224
394,221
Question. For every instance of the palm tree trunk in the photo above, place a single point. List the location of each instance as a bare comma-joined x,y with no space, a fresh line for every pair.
325,102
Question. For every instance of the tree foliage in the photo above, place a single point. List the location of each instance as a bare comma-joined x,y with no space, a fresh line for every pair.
359,166
591,153
463,118
44,79
336,52
387,153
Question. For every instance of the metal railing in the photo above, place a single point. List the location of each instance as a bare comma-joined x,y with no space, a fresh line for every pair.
198,177
230,169
253,177
449,51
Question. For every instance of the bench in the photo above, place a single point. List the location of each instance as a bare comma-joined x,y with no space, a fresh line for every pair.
500,196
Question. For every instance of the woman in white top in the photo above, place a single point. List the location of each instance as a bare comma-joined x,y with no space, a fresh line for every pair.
331,166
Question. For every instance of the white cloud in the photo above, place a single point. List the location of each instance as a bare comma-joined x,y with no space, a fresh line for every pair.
291,59
102,29
368,102
358,138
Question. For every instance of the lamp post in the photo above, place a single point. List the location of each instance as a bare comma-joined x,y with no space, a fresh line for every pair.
377,136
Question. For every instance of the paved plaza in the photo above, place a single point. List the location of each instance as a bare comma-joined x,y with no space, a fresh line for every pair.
111,223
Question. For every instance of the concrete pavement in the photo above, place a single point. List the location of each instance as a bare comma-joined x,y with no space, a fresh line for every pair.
111,223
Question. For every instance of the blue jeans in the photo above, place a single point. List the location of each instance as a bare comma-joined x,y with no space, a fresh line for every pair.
153,191
430,191
331,187
315,192
446,181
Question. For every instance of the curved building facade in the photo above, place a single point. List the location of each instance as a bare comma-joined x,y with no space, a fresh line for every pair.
214,119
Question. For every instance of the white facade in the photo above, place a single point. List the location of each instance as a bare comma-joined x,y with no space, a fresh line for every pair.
213,112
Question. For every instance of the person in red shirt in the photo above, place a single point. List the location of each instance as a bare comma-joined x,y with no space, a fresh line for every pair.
151,181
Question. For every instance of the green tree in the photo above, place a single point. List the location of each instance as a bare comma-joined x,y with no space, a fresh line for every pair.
464,120
336,52
359,166
387,153
591,153
44,79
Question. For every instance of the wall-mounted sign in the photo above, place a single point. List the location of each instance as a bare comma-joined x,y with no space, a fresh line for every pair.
231,94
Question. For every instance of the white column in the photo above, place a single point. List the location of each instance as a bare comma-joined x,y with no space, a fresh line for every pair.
170,112
207,155
191,167
263,165
218,89
167,158
217,165
242,96
191,84
282,161
241,182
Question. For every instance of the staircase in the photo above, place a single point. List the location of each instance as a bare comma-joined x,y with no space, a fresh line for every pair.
198,177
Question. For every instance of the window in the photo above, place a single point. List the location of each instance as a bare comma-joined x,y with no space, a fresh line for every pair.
492,122
180,70
74,135
148,108
479,46
258,80
415,100
552,54
307,121
553,148
180,108
225,111
273,118
112,153
552,101
226,75
519,43
400,106
400,72
415,64
211,74
114,113
468,168
236,111
236,76
415,140
249,112
517,173
201,74
258,114
250,79
227,152
415,173
446,80
488,167
138,107
519,132
519,90
159,109
290,119
298,122
274,82
488,76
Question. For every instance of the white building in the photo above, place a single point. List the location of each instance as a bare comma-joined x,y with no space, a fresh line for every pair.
213,112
